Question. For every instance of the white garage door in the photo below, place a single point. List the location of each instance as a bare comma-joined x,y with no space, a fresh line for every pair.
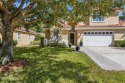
98,38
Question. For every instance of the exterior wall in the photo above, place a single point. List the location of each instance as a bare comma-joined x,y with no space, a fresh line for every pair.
79,36
65,37
47,34
112,20
76,34
108,21
118,35
24,38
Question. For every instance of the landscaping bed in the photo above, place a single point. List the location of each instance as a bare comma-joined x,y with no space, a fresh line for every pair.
12,67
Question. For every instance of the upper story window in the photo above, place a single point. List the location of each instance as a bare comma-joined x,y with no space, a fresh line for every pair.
98,19
19,36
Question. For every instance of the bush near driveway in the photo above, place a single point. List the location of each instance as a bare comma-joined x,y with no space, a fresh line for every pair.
59,65
120,43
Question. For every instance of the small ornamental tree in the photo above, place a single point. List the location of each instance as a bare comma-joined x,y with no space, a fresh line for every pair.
17,13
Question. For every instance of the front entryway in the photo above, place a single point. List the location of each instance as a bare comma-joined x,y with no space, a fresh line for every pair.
98,38
71,38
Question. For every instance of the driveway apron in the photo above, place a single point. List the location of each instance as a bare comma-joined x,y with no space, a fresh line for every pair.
108,58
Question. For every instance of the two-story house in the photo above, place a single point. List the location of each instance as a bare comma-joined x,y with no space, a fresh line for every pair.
101,31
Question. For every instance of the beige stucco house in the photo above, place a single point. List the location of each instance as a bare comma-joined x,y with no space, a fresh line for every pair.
23,36
101,31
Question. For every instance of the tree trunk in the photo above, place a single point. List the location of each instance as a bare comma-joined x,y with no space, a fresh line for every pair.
7,45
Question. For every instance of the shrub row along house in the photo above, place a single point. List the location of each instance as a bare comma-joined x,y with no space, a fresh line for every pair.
99,31
23,36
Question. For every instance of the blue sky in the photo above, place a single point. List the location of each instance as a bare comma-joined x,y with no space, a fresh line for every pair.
18,4
120,14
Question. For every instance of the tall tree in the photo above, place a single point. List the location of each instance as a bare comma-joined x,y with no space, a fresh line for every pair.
16,13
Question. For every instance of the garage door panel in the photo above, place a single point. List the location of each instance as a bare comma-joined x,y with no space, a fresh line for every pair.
98,39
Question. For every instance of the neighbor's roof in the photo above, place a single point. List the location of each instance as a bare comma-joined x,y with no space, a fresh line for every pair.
22,29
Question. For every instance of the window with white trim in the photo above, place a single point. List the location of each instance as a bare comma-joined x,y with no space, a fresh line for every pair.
19,36
29,37
99,19
55,35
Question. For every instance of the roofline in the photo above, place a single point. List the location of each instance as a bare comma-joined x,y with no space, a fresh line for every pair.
91,27
25,31
95,27
46,28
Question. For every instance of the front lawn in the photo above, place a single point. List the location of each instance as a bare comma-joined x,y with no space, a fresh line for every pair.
59,65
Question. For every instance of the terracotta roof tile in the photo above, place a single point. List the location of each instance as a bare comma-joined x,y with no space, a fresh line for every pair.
22,29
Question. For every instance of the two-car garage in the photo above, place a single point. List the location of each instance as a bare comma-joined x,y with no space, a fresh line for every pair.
98,38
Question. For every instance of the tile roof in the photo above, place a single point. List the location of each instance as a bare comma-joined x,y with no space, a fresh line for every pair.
122,23
22,29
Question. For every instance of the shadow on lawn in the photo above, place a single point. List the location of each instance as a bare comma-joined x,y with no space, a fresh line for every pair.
36,52
45,67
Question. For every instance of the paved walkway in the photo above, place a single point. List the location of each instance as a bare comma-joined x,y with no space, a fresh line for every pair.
108,58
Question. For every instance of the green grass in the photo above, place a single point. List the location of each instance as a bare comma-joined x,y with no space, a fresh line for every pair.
59,65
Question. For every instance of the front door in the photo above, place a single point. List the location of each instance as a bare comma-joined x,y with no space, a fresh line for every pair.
71,38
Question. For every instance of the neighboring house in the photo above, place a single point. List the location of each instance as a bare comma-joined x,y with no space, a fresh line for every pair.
23,36
101,31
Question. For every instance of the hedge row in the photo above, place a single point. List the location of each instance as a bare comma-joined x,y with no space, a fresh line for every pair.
120,43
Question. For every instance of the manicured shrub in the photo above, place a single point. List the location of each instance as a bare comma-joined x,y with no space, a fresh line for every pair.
120,43
15,42
55,43
35,42
38,37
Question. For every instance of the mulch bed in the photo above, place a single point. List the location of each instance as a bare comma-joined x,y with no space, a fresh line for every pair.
17,64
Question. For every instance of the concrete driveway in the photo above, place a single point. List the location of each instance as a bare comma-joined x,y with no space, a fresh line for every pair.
108,58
